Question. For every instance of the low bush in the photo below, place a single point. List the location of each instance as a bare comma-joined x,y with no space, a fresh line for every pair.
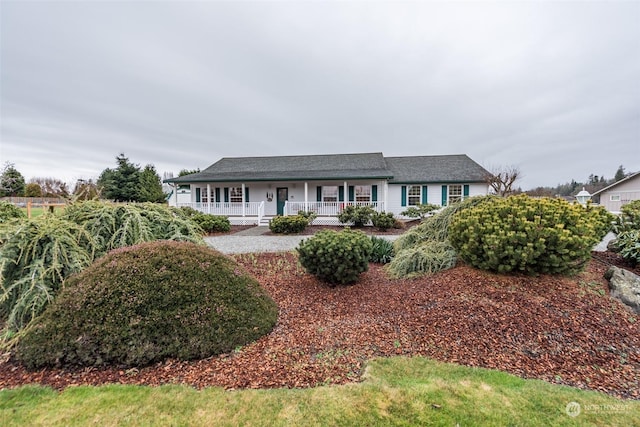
358,215
629,218
8,212
436,227
420,211
529,235
309,215
383,220
212,223
426,258
381,251
288,224
629,244
336,257
146,303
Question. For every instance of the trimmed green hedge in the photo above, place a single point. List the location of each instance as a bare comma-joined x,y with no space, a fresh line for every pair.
147,303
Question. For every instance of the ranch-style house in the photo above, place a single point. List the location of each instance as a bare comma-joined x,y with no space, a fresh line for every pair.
252,190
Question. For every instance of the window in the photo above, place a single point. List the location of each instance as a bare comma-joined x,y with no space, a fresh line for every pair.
614,198
363,193
203,195
455,193
235,194
330,194
414,195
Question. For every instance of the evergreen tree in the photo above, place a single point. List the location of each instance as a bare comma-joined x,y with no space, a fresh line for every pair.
620,174
122,183
150,187
11,181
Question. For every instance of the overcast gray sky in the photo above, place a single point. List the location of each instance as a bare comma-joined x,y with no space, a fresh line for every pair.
550,87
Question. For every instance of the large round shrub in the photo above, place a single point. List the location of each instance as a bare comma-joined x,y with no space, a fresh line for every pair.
146,303
530,235
336,257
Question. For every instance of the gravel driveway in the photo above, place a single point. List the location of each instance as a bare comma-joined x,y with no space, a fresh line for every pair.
234,244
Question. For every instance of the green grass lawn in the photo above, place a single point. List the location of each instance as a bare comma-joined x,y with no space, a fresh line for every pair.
396,391
37,211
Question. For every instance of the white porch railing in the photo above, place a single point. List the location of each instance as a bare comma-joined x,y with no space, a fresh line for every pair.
254,209
326,208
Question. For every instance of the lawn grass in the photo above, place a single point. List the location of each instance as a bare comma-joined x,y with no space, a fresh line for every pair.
37,211
395,391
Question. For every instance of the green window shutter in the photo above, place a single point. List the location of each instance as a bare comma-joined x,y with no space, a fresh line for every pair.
425,199
197,194
444,195
218,194
341,193
465,191
319,193
246,194
226,194
403,196
374,193
352,195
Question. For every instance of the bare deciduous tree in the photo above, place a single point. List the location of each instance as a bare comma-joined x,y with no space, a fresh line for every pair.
501,179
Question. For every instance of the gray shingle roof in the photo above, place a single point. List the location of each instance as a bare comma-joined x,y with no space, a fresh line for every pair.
286,168
414,169
427,169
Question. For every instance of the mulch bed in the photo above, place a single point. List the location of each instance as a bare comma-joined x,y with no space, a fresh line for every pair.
559,329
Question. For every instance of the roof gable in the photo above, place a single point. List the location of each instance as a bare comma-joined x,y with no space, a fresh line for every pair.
615,184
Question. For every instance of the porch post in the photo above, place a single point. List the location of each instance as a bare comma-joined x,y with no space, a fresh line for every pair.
243,201
346,194
175,193
306,196
208,198
386,193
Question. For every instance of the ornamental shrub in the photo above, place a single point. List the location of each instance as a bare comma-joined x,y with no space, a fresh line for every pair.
115,225
336,257
381,251
420,211
426,258
309,215
629,218
530,235
383,220
425,249
358,215
212,223
146,303
36,256
8,211
629,244
288,224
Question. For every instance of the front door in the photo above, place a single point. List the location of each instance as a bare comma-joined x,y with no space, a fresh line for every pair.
283,196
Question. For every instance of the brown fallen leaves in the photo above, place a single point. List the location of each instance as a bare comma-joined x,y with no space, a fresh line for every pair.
559,329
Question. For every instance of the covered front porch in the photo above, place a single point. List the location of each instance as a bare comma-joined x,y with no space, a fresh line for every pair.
253,213
326,199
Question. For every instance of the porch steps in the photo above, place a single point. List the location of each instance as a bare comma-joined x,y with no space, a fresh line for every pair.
265,220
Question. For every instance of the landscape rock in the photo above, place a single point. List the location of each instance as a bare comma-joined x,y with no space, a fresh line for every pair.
613,246
625,286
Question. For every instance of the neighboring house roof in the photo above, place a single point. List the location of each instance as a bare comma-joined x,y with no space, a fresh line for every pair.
615,184
423,169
